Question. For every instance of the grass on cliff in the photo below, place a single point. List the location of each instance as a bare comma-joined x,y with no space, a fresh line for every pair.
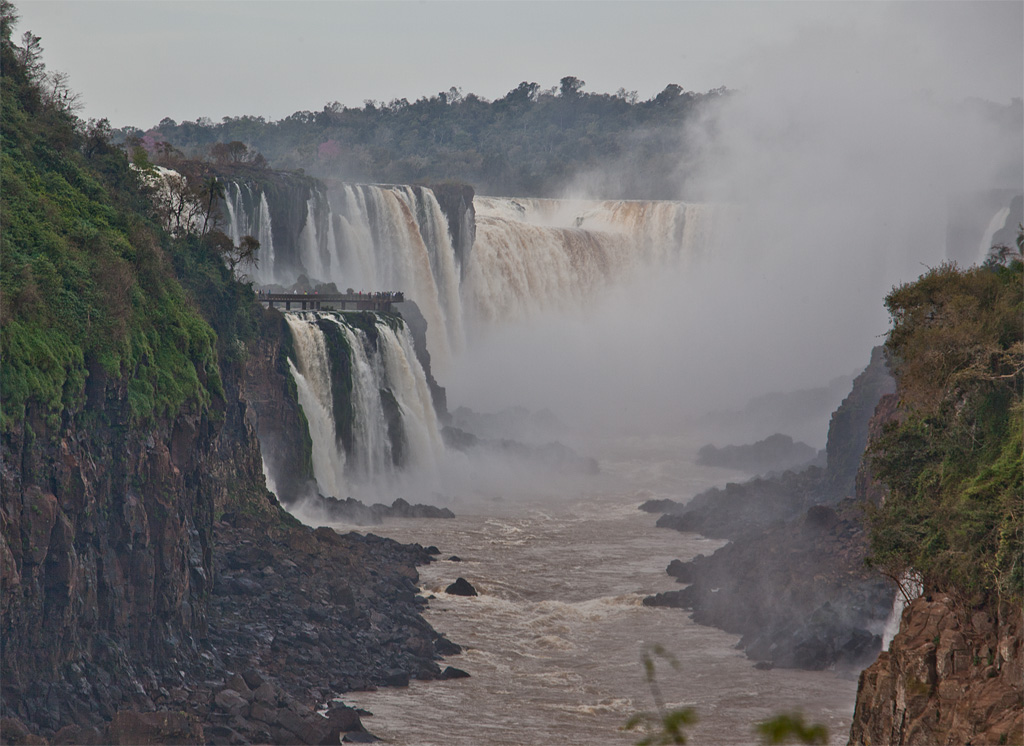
954,459
90,284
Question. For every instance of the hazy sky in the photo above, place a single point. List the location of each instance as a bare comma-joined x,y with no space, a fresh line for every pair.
139,61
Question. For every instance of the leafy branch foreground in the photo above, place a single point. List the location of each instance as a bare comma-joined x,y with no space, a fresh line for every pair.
665,726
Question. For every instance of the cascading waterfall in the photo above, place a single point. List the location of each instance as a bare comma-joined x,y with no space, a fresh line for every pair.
312,376
409,387
396,238
537,254
366,238
530,256
249,216
381,365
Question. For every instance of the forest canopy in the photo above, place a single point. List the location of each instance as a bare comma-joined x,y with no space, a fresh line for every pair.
532,141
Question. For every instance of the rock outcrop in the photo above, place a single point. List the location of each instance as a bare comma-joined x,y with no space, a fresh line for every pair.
949,677
775,453
793,583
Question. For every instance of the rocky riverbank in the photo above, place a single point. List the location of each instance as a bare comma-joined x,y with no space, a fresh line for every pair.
793,581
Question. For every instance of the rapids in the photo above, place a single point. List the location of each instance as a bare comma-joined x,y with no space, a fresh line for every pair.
553,641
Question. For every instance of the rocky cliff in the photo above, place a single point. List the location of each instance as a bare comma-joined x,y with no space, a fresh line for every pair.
947,678
456,201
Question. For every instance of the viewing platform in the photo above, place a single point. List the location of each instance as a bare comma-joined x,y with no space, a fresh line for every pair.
379,301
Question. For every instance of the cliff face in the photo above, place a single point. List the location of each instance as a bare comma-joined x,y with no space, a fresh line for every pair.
456,201
274,409
106,549
946,679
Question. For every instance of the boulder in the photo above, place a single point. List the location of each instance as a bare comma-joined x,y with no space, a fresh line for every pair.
461,587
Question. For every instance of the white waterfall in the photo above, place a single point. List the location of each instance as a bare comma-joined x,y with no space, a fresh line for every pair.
909,588
371,446
311,255
396,238
409,387
393,367
247,216
313,381
994,225
533,255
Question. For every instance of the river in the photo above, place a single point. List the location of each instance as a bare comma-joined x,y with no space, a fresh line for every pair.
554,641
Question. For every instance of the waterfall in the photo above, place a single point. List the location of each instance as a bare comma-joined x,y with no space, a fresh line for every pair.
532,255
909,588
994,225
409,387
312,376
247,216
369,390
396,238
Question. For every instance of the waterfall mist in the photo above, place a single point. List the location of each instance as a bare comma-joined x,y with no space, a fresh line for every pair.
839,154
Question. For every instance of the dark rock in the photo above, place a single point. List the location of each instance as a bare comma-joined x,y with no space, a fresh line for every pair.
344,718
673,599
450,672
253,679
777,452
231,702
682,571
661,506
359,736
444,646
461,587
764,666
396,678
455,558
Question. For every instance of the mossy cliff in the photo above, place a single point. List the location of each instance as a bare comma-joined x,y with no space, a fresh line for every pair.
947,457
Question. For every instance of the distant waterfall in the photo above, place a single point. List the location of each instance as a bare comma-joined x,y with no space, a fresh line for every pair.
529,256
365,398
536,254
248,215
396,238
361,237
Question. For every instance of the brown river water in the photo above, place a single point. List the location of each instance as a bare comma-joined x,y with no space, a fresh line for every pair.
554,641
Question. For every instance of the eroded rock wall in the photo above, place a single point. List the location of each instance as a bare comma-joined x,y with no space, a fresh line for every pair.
948,677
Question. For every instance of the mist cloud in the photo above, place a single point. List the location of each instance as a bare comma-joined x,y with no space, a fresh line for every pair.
839,153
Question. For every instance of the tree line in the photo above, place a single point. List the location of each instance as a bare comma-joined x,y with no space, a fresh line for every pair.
532,141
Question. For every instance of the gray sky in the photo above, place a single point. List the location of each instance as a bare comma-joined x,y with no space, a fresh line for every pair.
137,62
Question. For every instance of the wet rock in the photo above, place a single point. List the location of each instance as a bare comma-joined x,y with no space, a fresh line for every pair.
359,737
672,599
397,678
681,571
455,558
450,672
461,587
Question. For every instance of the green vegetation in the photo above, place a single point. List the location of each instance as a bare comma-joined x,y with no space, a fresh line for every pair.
89,280
532,141
954,459
791,727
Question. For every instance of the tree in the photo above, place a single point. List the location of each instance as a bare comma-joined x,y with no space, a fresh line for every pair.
214,191
570,87
245,252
